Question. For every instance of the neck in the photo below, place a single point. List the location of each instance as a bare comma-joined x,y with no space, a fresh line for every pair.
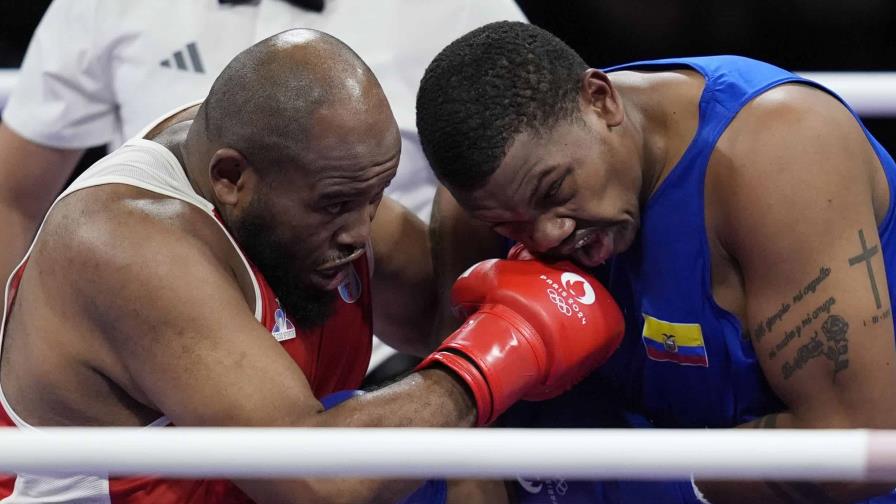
194,159
646,124
191,155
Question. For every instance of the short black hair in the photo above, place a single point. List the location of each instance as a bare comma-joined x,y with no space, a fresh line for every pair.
485,88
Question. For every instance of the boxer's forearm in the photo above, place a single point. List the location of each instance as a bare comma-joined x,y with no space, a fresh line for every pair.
787,492
456,242
404,310
403,290
430,398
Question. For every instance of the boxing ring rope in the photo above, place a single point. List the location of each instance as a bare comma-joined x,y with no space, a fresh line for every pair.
871,94
637,454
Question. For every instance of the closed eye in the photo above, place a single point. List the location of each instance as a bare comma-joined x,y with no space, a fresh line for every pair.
335,208
553,190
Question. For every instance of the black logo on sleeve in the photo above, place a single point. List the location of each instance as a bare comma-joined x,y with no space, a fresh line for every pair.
186,59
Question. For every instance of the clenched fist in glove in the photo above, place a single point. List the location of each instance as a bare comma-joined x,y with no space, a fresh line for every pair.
533,331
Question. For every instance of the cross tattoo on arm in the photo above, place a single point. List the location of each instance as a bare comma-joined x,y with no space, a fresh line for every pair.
865,256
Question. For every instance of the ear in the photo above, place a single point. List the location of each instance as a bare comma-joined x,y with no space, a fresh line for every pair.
233,178
600,96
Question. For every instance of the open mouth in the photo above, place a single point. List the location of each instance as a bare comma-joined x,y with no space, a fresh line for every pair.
340,262
596,250
592,247
331,274
330,279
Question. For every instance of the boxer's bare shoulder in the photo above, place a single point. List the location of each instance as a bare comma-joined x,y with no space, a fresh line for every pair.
796,140
108,226
107,258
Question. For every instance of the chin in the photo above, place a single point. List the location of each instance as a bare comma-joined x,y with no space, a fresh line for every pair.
309,308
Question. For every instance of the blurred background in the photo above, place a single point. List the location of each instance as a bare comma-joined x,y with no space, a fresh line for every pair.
807,35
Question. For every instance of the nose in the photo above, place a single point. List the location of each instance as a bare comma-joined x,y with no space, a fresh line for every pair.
355,232
549,231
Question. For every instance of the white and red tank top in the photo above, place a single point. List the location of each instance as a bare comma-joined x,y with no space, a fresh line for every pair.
333,356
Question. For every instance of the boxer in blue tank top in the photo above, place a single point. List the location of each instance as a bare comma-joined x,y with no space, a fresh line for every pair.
744,215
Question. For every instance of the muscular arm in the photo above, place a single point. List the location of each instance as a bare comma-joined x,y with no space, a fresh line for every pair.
457,242
184,342
32,177
403,290
798,218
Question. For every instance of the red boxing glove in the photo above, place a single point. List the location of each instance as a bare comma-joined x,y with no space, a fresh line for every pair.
535,331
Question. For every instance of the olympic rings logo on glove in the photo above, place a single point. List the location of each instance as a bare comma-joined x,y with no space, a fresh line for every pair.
560,302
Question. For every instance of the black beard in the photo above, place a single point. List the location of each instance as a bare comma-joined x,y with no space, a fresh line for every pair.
307,306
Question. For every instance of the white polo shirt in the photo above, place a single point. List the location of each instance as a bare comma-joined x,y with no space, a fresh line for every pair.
97,71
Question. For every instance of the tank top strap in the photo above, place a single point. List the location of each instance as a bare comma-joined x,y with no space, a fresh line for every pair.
730,83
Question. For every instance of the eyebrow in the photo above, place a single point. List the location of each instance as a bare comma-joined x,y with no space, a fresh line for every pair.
338,194
349,192
337,186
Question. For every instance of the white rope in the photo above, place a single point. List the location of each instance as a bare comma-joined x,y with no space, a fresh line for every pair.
871,94
852,455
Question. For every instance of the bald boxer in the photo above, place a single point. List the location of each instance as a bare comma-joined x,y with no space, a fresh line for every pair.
744,213
217,270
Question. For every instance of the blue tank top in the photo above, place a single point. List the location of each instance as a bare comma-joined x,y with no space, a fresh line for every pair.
685,361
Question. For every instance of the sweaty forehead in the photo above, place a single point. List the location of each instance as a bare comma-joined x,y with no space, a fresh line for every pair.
354,128
528,162
351,142
531,150
354,176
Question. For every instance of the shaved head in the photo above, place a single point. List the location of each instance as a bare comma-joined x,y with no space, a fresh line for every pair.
264,101
294,146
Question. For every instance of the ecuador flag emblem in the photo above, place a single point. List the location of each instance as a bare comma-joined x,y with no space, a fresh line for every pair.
669,341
